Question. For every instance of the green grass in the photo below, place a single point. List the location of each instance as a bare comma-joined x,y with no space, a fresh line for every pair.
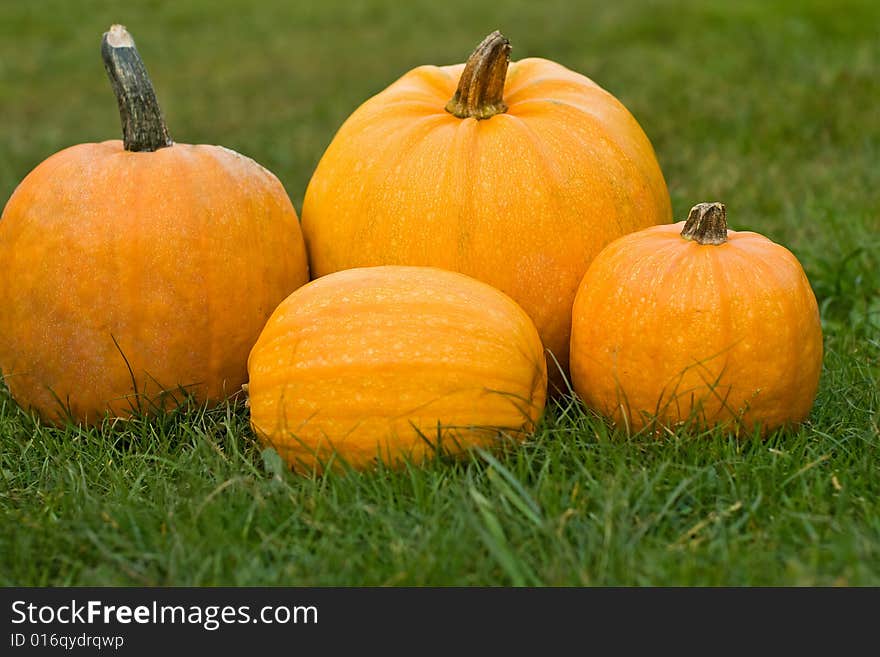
769,107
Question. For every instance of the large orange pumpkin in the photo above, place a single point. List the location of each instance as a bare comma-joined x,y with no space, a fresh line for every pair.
695,322
135,272
394,363
519,180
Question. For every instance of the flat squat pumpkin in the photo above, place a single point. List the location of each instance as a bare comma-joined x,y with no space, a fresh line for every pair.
136,271
394,363
695,322
516,176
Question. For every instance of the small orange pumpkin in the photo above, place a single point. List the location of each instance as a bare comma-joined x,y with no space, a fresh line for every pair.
693,321
519,180
135,271
397,363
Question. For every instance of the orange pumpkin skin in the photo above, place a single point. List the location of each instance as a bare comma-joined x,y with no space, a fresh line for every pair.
369,362
726,334
173,259
523,200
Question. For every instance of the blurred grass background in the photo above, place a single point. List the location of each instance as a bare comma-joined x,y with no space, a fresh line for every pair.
770,107
765,105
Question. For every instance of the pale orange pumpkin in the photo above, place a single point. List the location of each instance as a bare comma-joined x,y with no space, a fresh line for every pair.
136,272
394,363
519,180
692,322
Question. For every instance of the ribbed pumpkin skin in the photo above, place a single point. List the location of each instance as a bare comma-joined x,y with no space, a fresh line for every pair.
523,200
361,361
180,255
668,327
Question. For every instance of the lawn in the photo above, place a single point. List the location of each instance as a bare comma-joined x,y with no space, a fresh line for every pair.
770,107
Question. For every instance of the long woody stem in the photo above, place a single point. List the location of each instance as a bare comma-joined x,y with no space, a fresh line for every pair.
481,87
143,128
706,224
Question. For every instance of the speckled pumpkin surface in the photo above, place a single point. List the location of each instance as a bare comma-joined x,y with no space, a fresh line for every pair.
522,197
394,362
126,274
725,333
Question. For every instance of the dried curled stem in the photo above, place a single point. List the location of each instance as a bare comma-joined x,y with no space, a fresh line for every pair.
481,87
706,224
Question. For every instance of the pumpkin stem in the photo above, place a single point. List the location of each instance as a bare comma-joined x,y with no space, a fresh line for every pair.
706,224
143,128
481,86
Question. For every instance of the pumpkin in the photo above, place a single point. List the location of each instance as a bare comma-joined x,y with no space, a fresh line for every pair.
139,272
693,322
515,176
394,363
